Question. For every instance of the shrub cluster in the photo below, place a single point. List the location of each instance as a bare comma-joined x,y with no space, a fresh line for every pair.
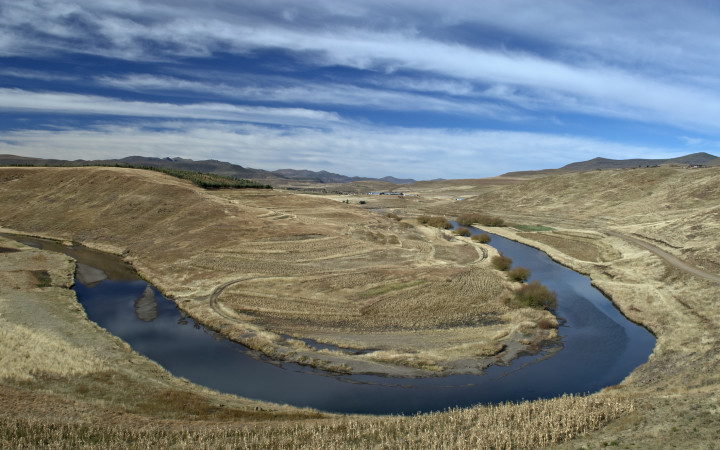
501,262
462,231
535,295
519,274
468,219
482,238
204,180
435,221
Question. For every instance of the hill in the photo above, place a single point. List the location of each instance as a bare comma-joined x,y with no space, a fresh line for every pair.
604,163
206,166
694,159
677,206
188,240
329,177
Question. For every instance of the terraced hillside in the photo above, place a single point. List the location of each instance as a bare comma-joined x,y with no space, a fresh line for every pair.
264,265
676,208
212,248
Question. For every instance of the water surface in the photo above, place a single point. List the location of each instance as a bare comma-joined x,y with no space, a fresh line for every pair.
600,346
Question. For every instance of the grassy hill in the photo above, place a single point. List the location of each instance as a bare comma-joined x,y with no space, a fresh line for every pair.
188,240
679,207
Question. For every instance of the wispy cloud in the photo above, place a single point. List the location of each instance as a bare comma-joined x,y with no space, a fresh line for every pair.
36,75
366,150
302,83
280,90
583,76
63,103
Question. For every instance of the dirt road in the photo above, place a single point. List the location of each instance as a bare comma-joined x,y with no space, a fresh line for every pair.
672,260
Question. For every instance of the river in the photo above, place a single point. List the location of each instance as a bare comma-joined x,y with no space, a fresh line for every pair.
600,347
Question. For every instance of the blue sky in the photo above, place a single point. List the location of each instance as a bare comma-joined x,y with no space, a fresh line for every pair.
421,89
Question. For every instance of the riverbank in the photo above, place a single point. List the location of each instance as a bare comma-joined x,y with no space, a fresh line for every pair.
411,300
56,363
678,384
674,396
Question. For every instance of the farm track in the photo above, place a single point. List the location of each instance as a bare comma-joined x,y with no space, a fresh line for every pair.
213,299
670,259
667,257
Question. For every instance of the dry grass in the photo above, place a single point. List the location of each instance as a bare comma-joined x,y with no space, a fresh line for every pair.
310,265
527,425
25,354
678,386
583,247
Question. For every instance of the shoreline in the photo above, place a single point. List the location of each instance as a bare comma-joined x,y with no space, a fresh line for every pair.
337,361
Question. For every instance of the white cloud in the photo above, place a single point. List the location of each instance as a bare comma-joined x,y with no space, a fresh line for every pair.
350,149
36,75
327,94
587,58
63,103
498,59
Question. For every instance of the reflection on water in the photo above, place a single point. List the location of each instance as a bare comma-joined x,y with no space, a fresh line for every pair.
600,348
88,275
146,308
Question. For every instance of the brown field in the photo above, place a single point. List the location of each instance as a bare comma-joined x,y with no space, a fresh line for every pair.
372,267
260,264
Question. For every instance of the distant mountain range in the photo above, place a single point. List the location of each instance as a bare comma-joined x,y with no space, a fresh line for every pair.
704,159
284,176
206,166
328,177
694,159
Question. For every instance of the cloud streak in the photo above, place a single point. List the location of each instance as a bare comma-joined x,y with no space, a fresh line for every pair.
64,103
375,82
367,150
592,84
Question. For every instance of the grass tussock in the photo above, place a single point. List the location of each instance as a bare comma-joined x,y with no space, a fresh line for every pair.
526,425
462,231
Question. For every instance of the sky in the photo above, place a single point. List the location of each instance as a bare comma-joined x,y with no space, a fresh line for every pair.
410,88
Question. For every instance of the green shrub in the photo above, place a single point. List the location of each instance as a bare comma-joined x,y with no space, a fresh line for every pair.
462,231
435,221
535,295
468,219
533,228
205,180
482,238
519,274
43,278
501,262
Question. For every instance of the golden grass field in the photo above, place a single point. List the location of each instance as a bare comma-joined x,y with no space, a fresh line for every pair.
299,265
289,253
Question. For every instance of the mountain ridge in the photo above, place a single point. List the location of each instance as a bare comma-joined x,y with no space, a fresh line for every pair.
206,166
599,163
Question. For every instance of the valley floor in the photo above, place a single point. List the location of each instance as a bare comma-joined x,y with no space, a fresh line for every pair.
66,380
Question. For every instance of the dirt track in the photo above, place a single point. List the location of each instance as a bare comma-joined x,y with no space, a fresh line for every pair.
670,259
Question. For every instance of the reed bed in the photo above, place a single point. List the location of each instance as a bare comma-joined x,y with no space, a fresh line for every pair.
506,426
25,353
